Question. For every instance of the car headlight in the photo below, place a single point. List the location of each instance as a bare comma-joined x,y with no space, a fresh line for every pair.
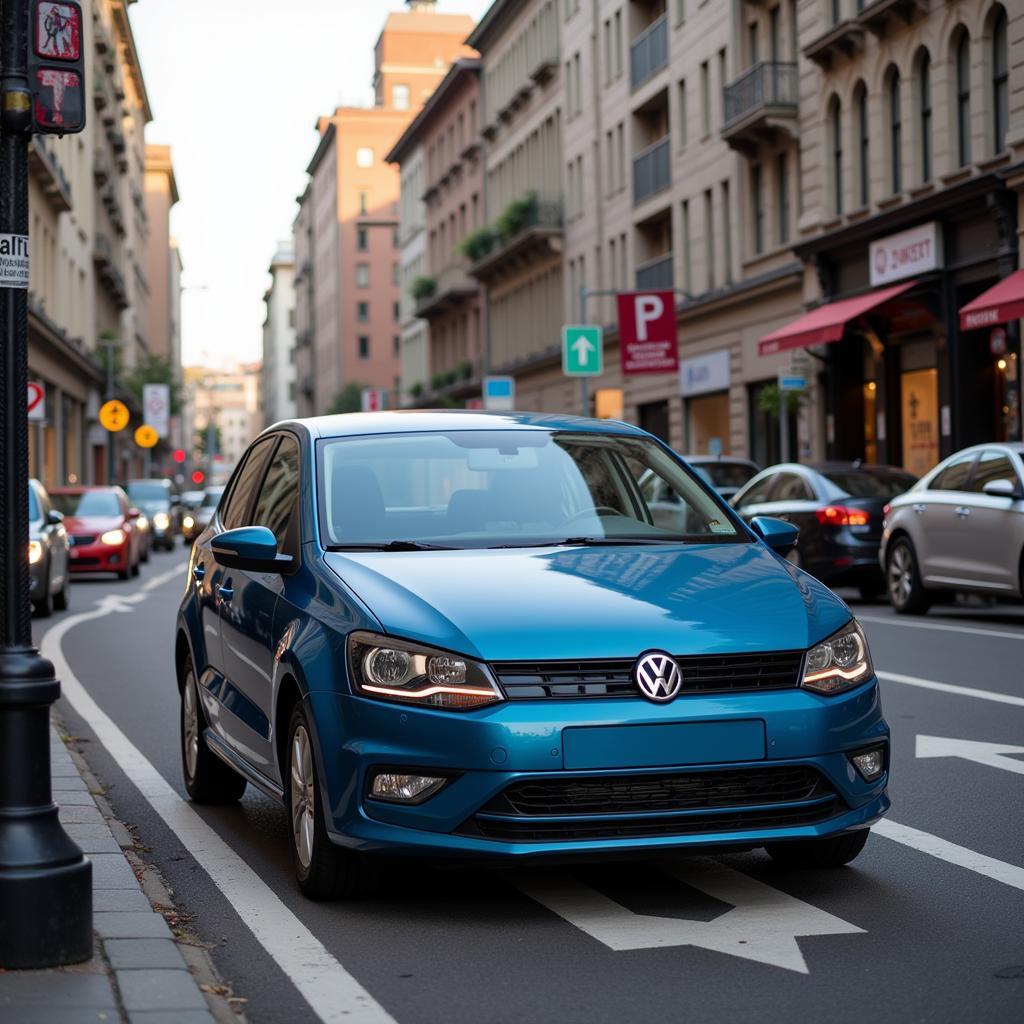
112,537
188,522
384,668
162,520
839,663
35,551
142,523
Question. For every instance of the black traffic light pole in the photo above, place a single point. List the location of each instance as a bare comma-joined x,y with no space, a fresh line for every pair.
45,882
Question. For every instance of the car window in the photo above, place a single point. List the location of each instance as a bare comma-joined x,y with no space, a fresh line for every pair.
993,465
758,492
89,503
726,474
279,494
870,483
212,497
149,491
247,479
792,487
33,506
954,476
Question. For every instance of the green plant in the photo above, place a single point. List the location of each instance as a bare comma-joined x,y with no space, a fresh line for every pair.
150,369
416,389
769,398
477,244
437,382
516,216
450,377
423,287
349,399
464,369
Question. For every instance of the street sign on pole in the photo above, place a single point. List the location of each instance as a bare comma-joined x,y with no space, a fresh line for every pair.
374,399
36,401
114,416
582,350
56,66
499,394
156,407
647,332
791,382
146,436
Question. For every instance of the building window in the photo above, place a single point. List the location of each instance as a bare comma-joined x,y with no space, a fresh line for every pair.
362,239
836,126
607,50
618,43
363,312
621,141
782,185
705,99
836,11
757,205
363,275
727,231
687,256
925,115
363,200
396,344
364,157
863,146
709,238
683,126
895,134
364,346
721,86
400,96
753,49
396,273
1000,83
396,312
963,98
775,33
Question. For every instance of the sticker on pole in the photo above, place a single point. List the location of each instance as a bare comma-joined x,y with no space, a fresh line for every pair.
13,261
36,404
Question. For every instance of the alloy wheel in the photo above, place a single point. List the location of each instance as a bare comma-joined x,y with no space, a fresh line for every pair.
900,575
190,713
303,802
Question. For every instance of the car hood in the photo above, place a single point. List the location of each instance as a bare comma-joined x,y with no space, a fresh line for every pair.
78,525
541,604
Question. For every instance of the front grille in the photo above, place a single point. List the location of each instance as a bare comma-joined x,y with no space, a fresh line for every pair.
702,673
658,804
81,563
81,539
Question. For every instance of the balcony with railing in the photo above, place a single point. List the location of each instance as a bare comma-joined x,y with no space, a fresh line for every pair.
45,167
452,287
652,170
761,104
648,53
529,229
656,274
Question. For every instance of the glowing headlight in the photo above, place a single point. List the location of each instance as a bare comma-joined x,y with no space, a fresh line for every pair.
188,522
839,663
142,523
388,669
162,520
35,551
112,537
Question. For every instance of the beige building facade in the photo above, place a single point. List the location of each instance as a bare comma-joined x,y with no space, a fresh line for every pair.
413,363
277,382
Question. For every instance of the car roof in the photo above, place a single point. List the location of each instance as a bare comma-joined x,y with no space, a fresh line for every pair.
407,421
855,467
113,488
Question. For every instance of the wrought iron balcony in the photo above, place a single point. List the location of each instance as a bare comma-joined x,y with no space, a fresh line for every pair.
535,233
652,170
655,274
648,53
452,287
762,102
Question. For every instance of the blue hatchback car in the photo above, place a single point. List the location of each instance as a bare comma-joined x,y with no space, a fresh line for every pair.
471,635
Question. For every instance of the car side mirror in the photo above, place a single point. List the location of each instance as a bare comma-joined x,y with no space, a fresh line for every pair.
779,535
54,518
134,513
1001,489
252,548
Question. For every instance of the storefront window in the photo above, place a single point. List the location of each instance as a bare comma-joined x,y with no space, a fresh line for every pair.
920,420
653,417
707,425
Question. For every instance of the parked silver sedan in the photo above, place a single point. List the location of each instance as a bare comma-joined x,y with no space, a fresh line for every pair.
959,528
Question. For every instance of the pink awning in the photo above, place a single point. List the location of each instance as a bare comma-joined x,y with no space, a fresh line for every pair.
1002,302
826,323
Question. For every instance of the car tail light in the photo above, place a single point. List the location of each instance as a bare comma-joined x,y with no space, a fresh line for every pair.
840,515
885,509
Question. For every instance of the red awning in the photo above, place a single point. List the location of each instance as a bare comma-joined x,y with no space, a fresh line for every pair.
826,323
1002,302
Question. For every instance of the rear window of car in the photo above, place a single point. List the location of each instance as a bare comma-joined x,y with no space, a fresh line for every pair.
91,503
725,474
871,483
954,476
211,497
993,465
149,491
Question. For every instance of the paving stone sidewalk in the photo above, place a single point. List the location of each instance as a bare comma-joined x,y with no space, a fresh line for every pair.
137,973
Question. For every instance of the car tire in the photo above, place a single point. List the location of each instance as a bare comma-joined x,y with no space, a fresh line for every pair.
833,852
63,599
323,870
903,581
144,556
208,780
135,570
124,574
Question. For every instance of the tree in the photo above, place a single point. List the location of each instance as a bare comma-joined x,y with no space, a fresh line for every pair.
202,437
349,399
151,369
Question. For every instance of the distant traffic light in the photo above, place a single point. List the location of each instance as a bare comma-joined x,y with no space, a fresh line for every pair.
56,66
198,476
179,455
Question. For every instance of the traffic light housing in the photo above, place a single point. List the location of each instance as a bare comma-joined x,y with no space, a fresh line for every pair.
56,66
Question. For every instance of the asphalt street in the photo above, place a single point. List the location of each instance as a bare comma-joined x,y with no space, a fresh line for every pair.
926,925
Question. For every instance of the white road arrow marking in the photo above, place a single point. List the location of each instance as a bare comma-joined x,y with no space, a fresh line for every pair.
992,754
583,346
762,925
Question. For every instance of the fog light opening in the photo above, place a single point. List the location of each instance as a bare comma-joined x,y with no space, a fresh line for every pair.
403,788
869,763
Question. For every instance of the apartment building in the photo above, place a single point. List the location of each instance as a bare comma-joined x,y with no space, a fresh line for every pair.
353,313
90,280
277,384
444,140
222,411
517,254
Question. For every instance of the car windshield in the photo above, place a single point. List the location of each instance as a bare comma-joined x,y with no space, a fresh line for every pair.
481,489
870,483
89,503
212,497
33,506
725,474
141,492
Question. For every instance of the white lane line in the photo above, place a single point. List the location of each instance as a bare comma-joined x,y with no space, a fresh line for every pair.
963,691
332,993
925,842
994,755
942,627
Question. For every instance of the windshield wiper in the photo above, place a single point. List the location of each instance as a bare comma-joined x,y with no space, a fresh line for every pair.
394,545
589,542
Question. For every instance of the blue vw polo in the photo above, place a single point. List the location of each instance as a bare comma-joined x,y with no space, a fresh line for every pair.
516,636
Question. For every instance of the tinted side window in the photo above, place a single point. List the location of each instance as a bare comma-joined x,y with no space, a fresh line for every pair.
236,511
792,488
954,476
279,495
759,492
993,465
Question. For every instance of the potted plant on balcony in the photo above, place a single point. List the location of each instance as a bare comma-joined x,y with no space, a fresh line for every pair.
422,287
477,244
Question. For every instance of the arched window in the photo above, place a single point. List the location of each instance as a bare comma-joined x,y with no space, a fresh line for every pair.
924,113
1000,82
895,133
860,106
962,56
836,128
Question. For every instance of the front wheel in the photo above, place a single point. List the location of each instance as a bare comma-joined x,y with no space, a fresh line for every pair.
903,580
208,780
324,871
833,852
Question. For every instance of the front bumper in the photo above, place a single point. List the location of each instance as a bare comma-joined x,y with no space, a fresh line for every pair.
98,557
493,748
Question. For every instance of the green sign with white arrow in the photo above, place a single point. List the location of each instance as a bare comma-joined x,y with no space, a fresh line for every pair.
582,350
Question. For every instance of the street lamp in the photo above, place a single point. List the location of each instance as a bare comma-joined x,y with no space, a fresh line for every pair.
45,882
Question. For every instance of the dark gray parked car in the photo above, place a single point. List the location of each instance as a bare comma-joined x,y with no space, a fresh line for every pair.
47,553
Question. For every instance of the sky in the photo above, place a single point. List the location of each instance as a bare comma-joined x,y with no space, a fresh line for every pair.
236,87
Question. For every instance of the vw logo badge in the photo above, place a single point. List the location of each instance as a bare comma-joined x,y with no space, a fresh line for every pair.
658,676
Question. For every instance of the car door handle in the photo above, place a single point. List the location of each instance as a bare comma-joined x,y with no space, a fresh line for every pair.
198,571
226,592
962,511
919,508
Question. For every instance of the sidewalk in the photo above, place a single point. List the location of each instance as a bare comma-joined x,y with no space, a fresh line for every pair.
138,972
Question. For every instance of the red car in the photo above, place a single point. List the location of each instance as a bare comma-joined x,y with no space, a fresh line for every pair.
101,528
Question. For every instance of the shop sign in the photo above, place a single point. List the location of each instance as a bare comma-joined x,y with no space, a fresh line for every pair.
915,251
920,408
703,374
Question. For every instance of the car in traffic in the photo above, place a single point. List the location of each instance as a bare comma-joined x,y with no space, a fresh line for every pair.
194,522
454,635
100,524
837,506
47,553
959,529
725,473
191,500
158,501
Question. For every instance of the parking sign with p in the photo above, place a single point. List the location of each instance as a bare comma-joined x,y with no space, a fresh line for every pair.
647,332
